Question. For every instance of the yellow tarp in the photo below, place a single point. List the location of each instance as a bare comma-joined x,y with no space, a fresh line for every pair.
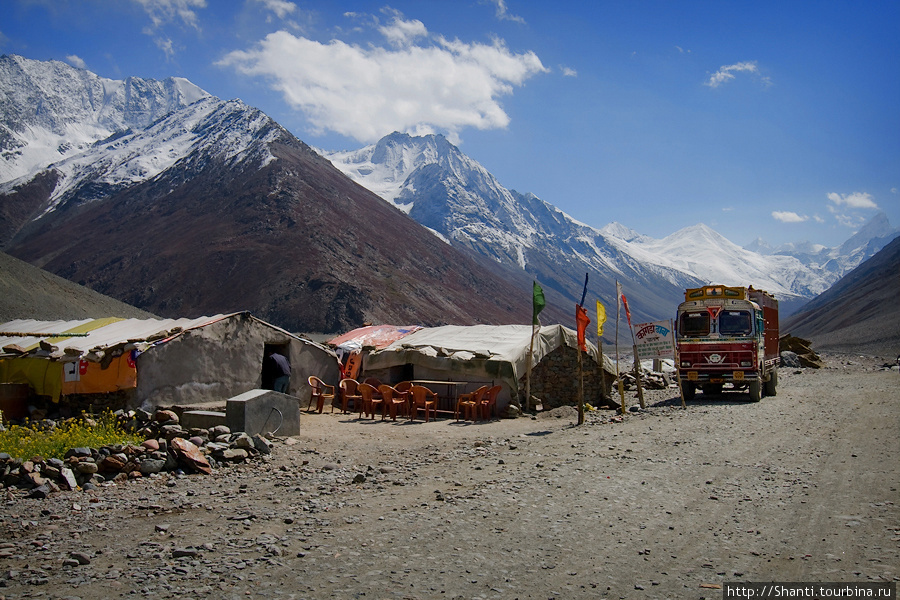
44,376
50,378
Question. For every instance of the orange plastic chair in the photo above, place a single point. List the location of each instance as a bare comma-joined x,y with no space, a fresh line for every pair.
422,398
321,392
370,400
394,401
488,405
349,393
468,403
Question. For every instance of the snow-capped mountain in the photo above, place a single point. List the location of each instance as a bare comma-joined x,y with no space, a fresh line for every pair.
175,201
52,111
454,196
448,192
833,263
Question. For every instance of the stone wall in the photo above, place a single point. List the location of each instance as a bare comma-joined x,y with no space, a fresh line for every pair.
555,380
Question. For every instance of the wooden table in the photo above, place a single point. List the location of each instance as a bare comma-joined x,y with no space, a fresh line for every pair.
452,392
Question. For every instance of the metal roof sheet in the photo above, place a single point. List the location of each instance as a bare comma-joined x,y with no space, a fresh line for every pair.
89,334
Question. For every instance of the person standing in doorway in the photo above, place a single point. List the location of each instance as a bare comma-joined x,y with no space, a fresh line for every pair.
280,370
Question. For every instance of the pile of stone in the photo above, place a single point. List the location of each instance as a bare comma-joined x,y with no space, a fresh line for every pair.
167,447
797,352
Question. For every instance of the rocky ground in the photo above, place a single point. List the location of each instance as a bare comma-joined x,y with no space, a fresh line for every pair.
662,503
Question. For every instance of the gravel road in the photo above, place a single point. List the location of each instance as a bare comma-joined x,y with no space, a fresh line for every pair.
663,503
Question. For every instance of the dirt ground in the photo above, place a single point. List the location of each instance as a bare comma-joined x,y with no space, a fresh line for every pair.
663,503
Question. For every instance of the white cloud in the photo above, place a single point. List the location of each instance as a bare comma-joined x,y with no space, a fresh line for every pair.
166,45
502,13
419,82
569,72
280,7
75,61
789,217
403,33
726,73
165,11
854,200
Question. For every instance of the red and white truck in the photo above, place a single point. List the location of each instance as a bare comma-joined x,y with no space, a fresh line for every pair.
727,336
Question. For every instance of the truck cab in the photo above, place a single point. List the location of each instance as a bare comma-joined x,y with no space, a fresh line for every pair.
724,337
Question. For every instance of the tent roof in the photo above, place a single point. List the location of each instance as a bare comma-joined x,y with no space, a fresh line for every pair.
442,347
379,336
99,334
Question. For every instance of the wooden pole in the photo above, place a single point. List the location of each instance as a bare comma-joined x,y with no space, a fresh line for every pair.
618,374
528,370
602,374
637,375
580,389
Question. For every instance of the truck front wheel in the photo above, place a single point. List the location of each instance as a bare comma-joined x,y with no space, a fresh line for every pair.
771,384
754,391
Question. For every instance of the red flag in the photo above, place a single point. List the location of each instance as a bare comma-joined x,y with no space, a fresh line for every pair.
582,321
627,312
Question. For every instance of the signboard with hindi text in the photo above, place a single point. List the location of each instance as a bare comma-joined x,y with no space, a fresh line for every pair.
654,340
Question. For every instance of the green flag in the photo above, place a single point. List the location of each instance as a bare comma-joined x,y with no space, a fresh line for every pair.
538,303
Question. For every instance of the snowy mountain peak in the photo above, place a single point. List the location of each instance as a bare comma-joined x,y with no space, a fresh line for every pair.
52,111
98,136
621,232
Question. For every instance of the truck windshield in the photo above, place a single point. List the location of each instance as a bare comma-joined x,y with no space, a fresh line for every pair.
735,322
693,324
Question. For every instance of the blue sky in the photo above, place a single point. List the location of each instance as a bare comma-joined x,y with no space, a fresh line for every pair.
778,120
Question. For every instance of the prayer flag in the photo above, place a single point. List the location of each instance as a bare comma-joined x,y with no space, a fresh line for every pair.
538,303
601,318
582,321
623,301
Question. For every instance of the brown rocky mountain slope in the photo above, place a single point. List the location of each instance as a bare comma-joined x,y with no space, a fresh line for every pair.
27,292
295,242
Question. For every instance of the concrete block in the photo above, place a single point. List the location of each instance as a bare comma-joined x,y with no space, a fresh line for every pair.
263,411
203,419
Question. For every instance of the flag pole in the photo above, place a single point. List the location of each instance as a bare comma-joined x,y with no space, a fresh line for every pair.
637,367
537,305
618,375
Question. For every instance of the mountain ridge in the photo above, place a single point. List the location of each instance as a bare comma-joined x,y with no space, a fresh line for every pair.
242,216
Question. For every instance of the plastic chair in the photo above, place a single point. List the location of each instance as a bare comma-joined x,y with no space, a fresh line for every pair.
422,398
370,399
349,392
321,392
488,405
394,400
468,403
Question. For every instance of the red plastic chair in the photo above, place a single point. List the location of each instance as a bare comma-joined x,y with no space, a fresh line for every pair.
321,392
467,404
422,398
394,401
349,392
370,400
488,405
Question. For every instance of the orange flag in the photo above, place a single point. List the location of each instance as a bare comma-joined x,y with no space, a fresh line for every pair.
582,321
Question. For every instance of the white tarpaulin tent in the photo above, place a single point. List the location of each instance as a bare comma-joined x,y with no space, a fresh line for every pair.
478,353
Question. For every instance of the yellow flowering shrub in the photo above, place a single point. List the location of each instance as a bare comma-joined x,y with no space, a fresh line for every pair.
27,441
